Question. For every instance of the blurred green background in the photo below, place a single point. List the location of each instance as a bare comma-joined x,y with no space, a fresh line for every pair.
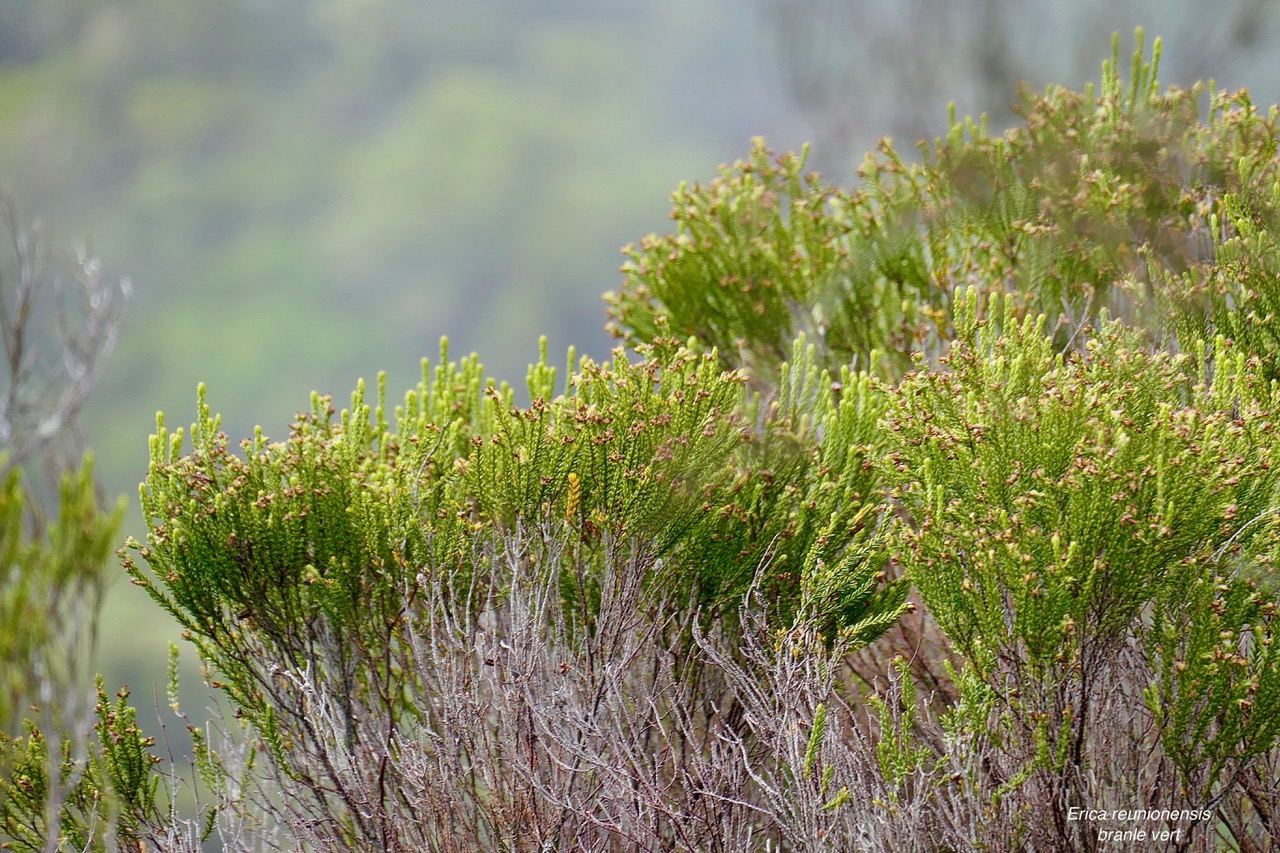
304,193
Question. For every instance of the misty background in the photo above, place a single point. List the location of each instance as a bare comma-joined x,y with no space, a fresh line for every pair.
302,193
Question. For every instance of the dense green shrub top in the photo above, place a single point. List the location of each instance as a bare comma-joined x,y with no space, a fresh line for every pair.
1158,206
262,555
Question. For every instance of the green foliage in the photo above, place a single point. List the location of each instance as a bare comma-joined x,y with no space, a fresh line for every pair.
1058,508
1237,296
841,591
50,584
55,535
762,254
1123,199
1060,492
1074,327
646,445
898,753
106,802
815,738
805,498
1216,695
310,554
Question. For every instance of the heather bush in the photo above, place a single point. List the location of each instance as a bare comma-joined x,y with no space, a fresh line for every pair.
59,317
1085,524
1072,327
1145,203
345,583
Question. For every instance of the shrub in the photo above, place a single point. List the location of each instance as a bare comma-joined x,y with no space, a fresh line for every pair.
354,588
58,322
1121,199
